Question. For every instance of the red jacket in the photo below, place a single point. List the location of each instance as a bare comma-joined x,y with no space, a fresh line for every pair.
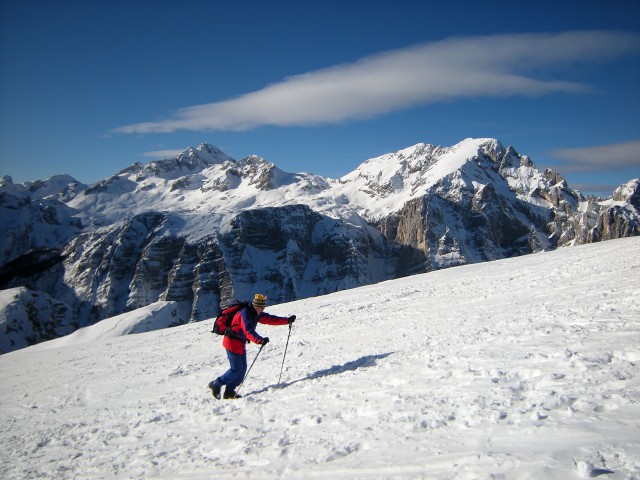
244,324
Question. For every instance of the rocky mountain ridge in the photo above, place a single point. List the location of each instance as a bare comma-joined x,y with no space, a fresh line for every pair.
203,228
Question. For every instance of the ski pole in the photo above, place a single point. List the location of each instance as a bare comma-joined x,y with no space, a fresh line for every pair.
285,353
247,374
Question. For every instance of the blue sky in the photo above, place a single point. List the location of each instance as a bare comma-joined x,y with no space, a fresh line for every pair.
90,87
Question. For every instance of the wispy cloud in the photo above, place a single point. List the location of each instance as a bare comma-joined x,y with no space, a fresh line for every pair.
601,158
163,153
598,189
488,66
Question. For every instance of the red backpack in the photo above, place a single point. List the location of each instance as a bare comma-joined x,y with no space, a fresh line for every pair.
222,325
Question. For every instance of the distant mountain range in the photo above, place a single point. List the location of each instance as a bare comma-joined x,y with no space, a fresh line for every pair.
202,228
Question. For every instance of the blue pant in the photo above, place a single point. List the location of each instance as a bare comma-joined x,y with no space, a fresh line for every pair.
234,376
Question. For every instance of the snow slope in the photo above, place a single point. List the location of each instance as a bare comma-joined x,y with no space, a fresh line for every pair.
519,368
156,316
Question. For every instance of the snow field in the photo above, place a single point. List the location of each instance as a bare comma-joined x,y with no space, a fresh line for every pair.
520,368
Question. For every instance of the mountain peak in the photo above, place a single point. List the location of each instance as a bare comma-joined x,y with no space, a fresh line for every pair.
61,187
421,164
191,160
204,153
629,192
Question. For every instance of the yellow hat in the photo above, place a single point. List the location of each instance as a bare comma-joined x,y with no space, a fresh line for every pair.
259,300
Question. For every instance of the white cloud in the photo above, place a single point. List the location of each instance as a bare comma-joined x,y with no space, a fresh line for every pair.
501,65
602,158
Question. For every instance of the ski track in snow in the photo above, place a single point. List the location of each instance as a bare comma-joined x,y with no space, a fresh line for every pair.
519,368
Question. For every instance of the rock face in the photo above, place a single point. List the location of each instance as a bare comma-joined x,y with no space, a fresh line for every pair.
498,205
33,224
286,252
202,229
30,317
493,207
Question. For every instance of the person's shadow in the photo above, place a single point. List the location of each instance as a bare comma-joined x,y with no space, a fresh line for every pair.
362,362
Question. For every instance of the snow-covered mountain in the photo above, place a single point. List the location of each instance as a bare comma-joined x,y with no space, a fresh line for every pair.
203,228
33,218
58,187
524,368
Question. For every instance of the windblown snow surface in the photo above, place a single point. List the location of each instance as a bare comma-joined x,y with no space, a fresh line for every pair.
519,368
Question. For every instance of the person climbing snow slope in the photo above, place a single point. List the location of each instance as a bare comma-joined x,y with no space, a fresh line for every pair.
242,331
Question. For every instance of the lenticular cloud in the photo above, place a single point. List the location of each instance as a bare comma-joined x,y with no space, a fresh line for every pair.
600,158
489,66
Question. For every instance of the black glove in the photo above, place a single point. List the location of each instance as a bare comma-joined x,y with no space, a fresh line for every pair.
264,341
292,319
